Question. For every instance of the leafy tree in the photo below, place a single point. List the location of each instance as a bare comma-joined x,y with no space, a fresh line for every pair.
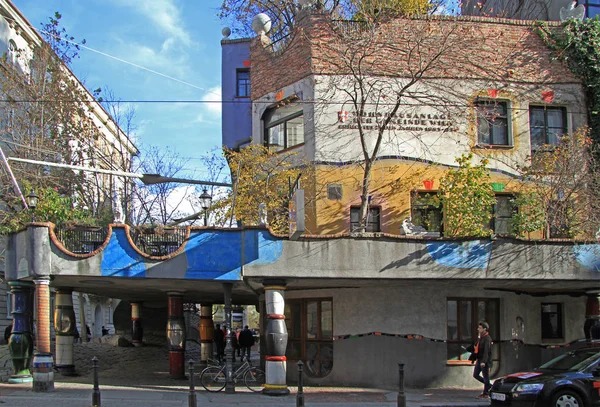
261,176
466,196
370,10
561,192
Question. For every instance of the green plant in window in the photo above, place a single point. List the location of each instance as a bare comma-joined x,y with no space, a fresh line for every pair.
466,196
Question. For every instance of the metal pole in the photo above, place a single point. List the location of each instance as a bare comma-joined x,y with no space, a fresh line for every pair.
192,395
300,393
205,217
96,392
401,395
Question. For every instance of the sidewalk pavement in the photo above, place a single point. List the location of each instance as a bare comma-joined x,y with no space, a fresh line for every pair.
68,394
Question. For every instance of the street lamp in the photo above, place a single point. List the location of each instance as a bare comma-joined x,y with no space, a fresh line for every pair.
32,201
205,200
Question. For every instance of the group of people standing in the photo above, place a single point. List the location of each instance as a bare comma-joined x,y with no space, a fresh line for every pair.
241,340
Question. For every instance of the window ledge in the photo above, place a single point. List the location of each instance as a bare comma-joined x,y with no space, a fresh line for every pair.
494,146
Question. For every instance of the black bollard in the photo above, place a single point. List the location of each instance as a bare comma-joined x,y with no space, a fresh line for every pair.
96,392
192,395
300,393
401,395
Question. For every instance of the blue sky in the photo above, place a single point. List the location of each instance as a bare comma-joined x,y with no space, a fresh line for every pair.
178,38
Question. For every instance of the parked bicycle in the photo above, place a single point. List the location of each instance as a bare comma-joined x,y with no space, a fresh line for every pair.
213,378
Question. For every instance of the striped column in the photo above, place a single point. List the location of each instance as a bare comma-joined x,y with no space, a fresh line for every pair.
64,328
176,336
207,331
137,331
591,326
276,341
43,364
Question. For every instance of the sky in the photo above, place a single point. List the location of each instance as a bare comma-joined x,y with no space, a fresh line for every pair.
179,39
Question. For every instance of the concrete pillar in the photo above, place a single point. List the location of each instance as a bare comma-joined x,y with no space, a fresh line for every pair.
43,363
275,340
176,336
206,330
64,328
137,330
591,327
20,343
229,355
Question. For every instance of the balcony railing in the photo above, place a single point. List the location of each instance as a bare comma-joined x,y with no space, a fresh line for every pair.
81,239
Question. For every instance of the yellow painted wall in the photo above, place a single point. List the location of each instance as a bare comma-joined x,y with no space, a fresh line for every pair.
392,182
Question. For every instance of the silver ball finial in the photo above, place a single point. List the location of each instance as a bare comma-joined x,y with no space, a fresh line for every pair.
226,32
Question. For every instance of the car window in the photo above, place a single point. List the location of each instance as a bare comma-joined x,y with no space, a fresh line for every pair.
572,361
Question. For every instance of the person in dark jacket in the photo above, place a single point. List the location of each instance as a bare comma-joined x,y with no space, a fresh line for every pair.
483,350
8,332
218,339
246,341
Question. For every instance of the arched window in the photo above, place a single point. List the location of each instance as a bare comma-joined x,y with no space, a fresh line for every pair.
284,126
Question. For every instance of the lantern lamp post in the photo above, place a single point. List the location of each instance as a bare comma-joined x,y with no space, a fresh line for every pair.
205,201
32,201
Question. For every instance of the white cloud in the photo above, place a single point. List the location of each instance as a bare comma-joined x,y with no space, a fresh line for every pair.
213,99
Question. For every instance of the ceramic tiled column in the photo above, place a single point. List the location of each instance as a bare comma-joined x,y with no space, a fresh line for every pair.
137,331
20,343
176,336
43,363
276,340
64,327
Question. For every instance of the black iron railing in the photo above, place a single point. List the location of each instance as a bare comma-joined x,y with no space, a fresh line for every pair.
81,239
158,242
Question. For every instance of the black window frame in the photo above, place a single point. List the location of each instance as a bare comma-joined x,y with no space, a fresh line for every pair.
514,210
493,120
242,83
427,209
268,124
334,192
463,340
373,219
545,128
547,331
296,319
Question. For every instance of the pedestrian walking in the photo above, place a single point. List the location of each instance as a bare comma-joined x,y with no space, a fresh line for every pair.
483,350
246,342
218,339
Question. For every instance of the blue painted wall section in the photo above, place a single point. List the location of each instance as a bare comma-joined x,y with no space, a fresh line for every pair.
210,255
588,255
119,259
474,254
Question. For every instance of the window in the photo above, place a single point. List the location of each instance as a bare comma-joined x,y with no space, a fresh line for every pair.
426,211
9,305
463,316
242,83
592,8
502,213
309,324
492,123
284,127
373,219
558,218
546,125
552,325
334,192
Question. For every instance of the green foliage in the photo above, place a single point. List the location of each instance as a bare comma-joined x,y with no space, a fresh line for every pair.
371,9
578,44
467,197
52,207
530,216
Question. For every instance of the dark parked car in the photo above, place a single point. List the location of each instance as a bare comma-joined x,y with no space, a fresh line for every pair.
570,380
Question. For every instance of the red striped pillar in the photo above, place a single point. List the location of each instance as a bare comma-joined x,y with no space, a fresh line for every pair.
43,364
276,341
176,336
206,333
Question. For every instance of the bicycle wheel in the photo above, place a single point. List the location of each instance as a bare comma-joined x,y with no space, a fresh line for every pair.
254,379
213,378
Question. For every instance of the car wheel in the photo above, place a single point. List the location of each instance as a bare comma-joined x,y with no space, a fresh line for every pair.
566,398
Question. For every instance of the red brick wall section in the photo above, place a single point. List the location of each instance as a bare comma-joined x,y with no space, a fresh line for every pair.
500,50
42,338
